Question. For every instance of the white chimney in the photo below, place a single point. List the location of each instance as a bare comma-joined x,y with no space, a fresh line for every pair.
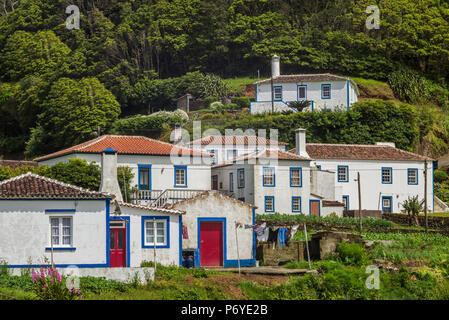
109,182
387,144
301,143
275,66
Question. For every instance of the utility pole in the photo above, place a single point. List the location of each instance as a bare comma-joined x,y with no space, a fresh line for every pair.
360,203
425,191
272,93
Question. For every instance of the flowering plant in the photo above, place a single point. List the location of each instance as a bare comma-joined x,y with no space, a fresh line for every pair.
49,285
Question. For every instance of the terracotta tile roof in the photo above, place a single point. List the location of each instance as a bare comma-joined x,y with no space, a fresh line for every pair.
264,154
126,145
360,152
17,163
32,186
236,141
329,203
150,208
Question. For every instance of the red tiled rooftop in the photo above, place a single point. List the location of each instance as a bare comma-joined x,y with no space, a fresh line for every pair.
236,141
126,145
31,186
265,154
359,152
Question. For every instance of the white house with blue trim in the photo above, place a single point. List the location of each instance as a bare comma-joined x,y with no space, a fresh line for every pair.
215,230
388,175
323,91
163,172
278,181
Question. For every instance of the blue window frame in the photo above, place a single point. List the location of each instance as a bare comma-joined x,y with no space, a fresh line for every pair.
144,173
241,178
387,175
269,204
295,177
343,173
180,176
326,91
296,205
269,177
412,176
302,92
346,202
156,227
387,204
231,182
277,93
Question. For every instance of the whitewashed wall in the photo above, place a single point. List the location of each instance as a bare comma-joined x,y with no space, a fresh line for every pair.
165,256
339,93
215,205
254,191
162,170
26,231
372,188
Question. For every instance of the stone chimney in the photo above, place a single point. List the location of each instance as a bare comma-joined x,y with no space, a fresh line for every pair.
109,182
177,135
301,143
275,66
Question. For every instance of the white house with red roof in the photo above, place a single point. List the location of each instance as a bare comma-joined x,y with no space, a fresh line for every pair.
229,147
44,219
323,91
388,175
278,181
162,171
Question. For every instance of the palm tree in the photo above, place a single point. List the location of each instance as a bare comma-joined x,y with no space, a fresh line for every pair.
299,105
413,207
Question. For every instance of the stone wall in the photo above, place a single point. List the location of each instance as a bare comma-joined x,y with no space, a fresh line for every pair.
441,223
274,257
365,213
324,243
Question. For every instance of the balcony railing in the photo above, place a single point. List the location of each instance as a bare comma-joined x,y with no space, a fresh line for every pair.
159,198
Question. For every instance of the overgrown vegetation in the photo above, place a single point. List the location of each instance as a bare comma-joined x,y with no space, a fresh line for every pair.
77,172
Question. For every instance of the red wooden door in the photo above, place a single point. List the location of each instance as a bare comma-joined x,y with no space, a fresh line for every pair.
117,238
211,243
315,208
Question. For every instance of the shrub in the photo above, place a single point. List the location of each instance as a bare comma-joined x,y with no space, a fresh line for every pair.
440,176
242,102
209,100
99,285
352,254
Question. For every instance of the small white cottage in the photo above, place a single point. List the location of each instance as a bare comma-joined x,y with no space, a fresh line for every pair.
218,230
323,91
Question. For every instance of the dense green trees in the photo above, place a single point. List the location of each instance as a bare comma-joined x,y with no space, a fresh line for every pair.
147,53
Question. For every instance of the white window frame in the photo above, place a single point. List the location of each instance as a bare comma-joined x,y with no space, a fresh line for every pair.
340,174
415,176
156,235
184,170
292,177
60,232
268,177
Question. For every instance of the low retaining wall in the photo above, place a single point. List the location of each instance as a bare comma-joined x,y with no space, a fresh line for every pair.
365,213
143,275
277,256
441,223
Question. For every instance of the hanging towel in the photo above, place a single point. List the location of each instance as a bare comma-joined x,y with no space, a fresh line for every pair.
185,233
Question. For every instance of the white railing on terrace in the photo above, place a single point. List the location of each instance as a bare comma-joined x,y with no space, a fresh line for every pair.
159,198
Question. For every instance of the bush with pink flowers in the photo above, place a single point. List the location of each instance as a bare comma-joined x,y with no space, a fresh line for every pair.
50,285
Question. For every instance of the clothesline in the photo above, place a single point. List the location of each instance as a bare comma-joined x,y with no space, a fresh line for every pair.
278,236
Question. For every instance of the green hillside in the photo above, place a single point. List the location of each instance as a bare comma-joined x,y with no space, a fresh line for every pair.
59,87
